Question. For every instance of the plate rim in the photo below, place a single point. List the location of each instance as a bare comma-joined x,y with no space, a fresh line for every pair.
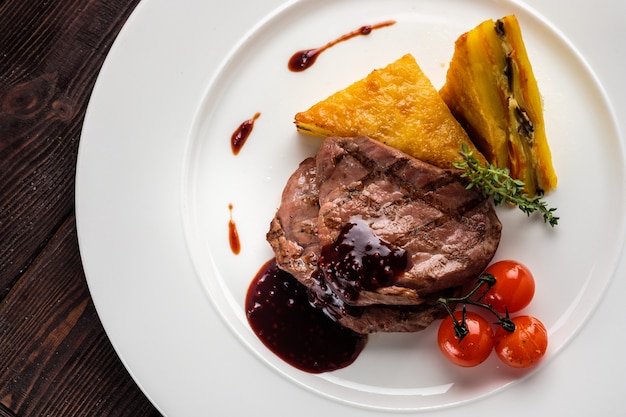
589,70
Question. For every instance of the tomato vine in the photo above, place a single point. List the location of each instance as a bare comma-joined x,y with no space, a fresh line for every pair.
467,339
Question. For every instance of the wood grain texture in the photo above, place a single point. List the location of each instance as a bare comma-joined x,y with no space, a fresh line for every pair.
55,359
5,412
50,56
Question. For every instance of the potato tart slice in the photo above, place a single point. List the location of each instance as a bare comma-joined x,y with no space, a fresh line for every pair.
396,105
491,89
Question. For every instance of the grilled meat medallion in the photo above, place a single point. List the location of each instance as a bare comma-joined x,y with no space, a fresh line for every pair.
449,233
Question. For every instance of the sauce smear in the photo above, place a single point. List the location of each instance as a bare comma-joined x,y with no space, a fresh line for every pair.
360,260
305,58
233,234
279,312
240,135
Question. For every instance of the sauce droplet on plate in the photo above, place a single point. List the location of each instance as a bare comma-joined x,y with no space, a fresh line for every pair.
233,234
305,58
240,135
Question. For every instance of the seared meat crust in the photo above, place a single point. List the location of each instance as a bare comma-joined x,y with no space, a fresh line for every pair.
450,233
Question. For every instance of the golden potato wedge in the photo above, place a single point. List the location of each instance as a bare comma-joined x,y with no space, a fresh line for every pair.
397,105
491,89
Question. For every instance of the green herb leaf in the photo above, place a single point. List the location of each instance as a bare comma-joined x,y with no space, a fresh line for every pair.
497,183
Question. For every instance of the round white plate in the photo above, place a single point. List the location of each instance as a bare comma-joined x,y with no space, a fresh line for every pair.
156,176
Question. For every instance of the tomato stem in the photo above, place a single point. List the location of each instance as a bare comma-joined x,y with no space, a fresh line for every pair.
460,328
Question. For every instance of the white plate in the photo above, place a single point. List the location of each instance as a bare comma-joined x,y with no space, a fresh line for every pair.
156,176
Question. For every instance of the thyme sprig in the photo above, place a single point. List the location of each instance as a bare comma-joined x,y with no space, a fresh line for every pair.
497,183
460,327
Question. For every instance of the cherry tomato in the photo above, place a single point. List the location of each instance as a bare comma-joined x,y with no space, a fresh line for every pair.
514,287
524,346
475,346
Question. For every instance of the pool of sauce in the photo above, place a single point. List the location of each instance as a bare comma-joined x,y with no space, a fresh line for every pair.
300,326
279,312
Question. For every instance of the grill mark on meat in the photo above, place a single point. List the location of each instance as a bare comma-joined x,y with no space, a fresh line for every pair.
426,193
355,178
451,232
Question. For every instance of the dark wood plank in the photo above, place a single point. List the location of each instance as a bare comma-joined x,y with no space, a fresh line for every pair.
5,412
54,356
50,55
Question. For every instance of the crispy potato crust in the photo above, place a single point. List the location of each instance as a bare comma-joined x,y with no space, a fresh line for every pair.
396,105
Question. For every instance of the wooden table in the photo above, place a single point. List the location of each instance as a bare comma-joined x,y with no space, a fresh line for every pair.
55,358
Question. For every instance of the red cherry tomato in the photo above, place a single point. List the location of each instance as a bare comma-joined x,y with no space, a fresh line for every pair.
514,287
475,346
524,346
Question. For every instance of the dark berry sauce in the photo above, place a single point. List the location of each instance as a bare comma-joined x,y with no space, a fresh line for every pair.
305,58
359,260
233,234
280,314
240,135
